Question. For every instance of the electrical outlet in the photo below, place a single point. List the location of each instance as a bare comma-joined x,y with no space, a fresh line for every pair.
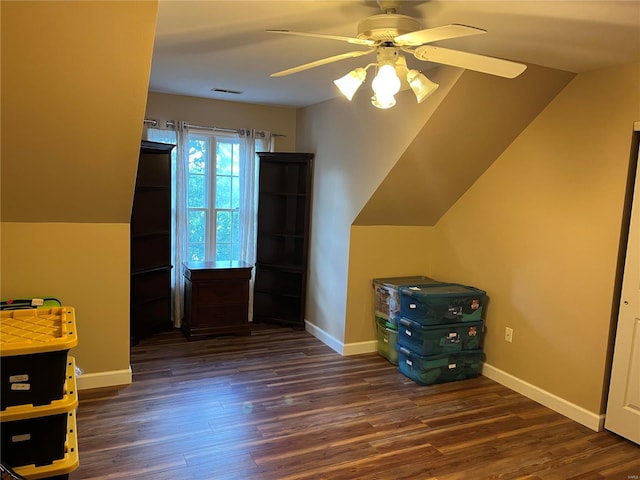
508,334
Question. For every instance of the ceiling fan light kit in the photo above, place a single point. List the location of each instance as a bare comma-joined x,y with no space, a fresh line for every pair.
390,33
387,83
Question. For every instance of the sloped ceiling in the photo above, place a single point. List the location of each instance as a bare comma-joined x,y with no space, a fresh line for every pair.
74,85
474,124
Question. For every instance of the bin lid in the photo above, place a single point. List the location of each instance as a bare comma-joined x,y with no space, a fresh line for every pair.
442,290
41,330
399,281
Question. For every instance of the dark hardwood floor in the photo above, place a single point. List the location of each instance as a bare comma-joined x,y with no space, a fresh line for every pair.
279,404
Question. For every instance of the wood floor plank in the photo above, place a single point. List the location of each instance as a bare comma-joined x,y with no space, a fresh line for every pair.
280,405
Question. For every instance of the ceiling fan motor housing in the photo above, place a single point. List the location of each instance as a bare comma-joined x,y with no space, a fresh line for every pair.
386,27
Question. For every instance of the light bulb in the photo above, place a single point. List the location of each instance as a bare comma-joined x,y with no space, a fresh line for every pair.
386,83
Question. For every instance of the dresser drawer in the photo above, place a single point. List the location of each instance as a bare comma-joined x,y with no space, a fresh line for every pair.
220,315
221,293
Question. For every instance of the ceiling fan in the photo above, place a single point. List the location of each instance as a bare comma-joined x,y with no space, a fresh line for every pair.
388,34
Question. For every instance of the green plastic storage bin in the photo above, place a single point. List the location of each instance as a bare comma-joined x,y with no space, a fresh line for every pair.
427,370
387,340
440,304
438,339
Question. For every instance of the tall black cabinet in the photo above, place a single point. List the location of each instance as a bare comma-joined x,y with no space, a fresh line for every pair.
151,242
284,208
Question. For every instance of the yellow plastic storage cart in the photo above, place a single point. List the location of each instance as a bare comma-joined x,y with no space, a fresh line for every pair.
34,344
38,392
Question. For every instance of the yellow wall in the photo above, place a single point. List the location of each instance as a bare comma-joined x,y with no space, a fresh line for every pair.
539,231
378,252
74,78
85,265
74,86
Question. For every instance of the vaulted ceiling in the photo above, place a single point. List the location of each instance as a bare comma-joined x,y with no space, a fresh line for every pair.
204,45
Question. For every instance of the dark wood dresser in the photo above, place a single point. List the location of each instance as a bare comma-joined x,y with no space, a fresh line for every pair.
216,296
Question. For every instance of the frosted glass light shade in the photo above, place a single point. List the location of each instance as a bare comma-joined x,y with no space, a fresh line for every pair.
349,84
421,85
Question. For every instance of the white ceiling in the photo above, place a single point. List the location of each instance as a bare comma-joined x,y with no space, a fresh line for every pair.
208,44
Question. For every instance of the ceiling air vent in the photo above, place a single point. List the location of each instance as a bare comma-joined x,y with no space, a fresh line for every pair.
226,90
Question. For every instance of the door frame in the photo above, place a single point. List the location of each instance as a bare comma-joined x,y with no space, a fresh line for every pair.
633,171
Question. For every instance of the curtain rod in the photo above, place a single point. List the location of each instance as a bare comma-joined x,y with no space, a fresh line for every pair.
154,123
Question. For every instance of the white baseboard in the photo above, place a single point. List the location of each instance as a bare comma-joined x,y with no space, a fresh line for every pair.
112,378
592,420
338,346
324,337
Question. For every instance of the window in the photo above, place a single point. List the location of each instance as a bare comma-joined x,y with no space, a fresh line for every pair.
213,197
214,209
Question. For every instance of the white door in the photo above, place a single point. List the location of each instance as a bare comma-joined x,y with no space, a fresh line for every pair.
623,407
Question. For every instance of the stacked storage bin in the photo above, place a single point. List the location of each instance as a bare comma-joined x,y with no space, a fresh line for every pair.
29,303
39,395
440,332
387,311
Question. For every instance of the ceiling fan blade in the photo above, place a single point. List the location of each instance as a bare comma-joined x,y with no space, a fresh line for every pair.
355,41
323,61
470,61
428,35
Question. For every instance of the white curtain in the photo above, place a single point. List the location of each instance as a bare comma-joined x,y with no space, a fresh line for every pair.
251,141
179,218
177,135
